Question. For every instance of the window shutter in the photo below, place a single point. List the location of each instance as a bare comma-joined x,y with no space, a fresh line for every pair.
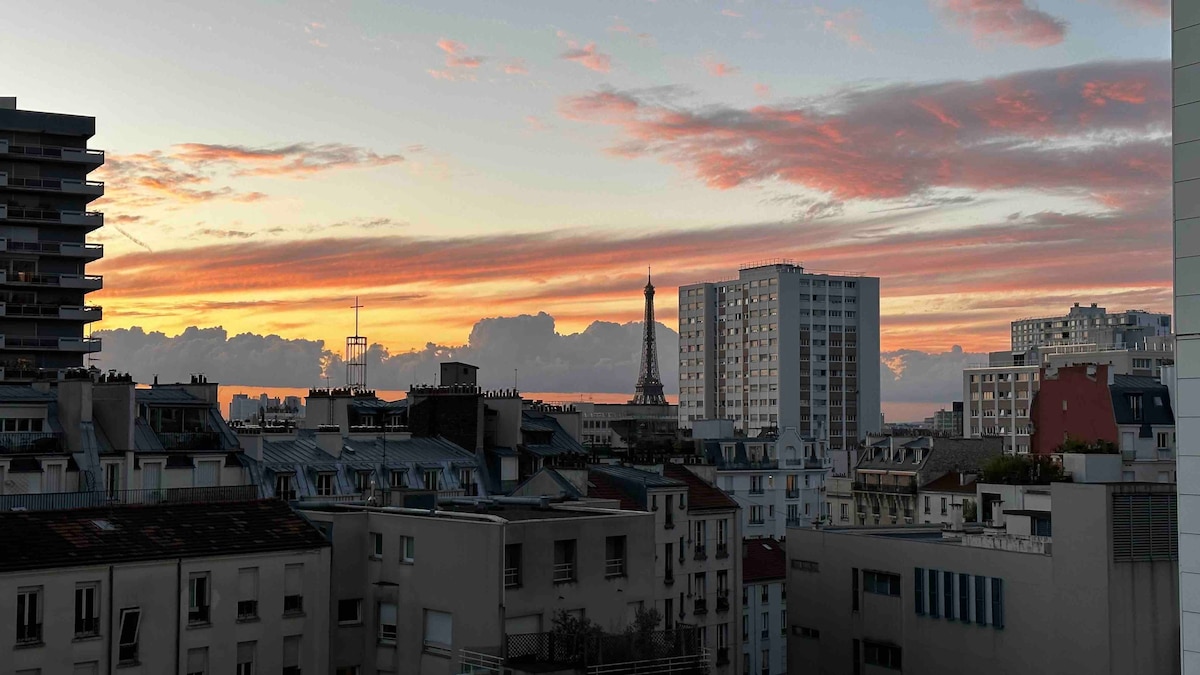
248,583
197,660
245,652
291,579
387,613
438,628
291,651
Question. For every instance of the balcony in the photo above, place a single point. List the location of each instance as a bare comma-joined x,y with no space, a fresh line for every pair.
193,440
30,441
701,553
53,152
756,521
793,493
793,521
907,489
87,282
63,185
57,501
700,606
63,248
62,344
69,312
722,656
810,462
756,491
722,601
722,551
91,219
675,650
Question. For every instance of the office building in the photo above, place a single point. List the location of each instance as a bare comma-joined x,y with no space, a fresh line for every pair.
764,607
1090,325
173,588
1186,62
948,422
1098,594
44,223
479,585
782,347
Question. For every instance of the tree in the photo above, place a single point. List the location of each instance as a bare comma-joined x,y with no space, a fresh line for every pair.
1022,470
1096,447
970,510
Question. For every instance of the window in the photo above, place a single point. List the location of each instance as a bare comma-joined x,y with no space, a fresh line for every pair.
964,598
198,598
197,661
932,591
324,485
87,612
387,622
926,504
130,623
881,583
112,478
376,545
1164,440
854,589
439,632
1135,406
284,489
349,611
919,590
247,607
398,479
293,598
291,655
408,549
29,615
764,625
997,603
347,670
948,595
980,601
512,565
614,556
878,654
245,658
362,481
763,592
943,506
430,478
89,668
564,560
765,664
844,515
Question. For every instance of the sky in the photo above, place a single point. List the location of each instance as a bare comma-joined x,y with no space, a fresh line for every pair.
454,161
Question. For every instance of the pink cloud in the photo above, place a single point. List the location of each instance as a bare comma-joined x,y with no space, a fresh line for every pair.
516,67
536,123
619,26
844,24
588,57
1154,9
1005,20
456,56
762,90
1032,130
732,13
719,69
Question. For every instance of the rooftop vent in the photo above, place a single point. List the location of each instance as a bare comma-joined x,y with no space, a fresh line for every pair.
104,525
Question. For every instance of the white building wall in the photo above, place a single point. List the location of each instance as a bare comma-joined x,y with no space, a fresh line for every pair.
767,633
1186,99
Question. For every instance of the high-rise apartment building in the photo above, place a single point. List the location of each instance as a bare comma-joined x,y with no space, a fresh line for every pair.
1186,98
44,222
782,347
1090,325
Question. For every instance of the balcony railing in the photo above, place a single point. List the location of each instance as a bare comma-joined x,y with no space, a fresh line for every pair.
756,521
84,281
71,312
55,343
700,606
614,567
793,521
722,551
564,572
194,440
30,441
909,488
86,155
57,501
68,185
701,552
52,216
793,493
722,601
757,491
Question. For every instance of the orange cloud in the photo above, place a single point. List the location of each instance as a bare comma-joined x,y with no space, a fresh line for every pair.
731,13
516,67
1005,20
843,24
719,69
588,57
456,56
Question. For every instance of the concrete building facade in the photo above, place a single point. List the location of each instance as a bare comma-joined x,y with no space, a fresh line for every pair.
1186,143
1097,597
764,607
1090,325
44,253
782,347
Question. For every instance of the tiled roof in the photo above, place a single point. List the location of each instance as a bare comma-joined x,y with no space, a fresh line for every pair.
602,486
630,474
763,560
539,424
304,450
51,539
950,482
938,455
1156,401
701,495
16,393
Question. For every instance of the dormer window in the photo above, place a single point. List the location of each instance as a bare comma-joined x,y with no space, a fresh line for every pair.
1135,406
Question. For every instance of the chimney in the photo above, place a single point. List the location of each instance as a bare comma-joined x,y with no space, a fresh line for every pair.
962,479
251,441
998,513
956,517
329,440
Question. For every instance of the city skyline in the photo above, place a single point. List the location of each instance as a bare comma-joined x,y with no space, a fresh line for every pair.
613,138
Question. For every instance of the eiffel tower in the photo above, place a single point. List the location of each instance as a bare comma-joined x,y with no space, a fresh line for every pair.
649,390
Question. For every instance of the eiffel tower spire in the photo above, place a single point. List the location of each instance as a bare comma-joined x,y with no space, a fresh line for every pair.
649,390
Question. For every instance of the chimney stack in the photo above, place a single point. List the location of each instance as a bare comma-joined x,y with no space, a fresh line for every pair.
329,440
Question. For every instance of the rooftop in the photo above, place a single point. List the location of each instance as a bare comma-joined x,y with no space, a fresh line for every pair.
102,536
952,481
518,512
702,496
763,560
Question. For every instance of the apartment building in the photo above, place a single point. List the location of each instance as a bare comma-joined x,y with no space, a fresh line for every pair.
1091,405
44,253
175,588
764,607
892,472
782,347
839,498
778,481
476,585
628,426
948,422
1185,41
1099,596
1090,325
940,499
93,439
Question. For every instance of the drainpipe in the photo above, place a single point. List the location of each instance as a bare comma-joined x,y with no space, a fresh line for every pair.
112,594
178,609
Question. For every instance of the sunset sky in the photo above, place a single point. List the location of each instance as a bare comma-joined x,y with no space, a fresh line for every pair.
449,161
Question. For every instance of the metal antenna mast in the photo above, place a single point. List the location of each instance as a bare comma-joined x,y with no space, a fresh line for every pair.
356,354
